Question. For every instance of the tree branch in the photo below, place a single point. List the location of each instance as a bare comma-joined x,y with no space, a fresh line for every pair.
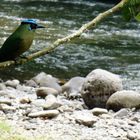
68,38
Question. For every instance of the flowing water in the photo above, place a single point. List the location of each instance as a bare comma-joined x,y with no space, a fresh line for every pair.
114,45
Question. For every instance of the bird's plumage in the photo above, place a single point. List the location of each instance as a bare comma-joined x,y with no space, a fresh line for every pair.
19,42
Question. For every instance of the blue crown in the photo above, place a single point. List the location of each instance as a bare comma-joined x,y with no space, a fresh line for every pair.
32,21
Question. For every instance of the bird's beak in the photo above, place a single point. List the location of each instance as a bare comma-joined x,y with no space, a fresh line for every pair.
40,26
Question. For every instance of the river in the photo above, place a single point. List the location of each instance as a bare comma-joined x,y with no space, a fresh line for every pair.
113,45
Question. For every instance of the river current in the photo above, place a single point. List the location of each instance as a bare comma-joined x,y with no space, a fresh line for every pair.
114,45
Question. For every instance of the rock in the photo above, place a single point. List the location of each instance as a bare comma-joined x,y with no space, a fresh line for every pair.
5,101
24,88
85,117
65,108
52,102
44,80
121,113
98,86
39,102
132,123
123,99
30,127
2,86
31,83
25,100
12,83
131,135
106,116
99,111
73,86
74,95
5,108
24,106
46,113
135,118
44,91
8,93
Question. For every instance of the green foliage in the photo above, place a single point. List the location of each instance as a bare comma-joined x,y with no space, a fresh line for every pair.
4,126
8,133
132,10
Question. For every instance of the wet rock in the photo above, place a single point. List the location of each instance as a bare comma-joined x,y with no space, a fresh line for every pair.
46,113
73,86
12,83
44,91
85,117
124,99
99,111
46,80
121,113
52,102
98,86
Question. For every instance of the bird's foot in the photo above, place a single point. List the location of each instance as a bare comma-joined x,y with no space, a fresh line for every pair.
21,59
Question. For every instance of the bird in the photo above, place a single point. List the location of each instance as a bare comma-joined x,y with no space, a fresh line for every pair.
19,41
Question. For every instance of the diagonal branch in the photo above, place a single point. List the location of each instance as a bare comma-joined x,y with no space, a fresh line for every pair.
68,38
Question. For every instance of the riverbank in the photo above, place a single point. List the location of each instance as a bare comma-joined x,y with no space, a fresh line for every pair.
44,108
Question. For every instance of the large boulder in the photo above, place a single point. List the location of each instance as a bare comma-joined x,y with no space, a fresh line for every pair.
123,99
98,86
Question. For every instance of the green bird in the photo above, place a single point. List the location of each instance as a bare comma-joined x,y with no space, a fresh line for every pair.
20,41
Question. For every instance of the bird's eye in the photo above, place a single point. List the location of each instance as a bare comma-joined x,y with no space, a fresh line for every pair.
33,26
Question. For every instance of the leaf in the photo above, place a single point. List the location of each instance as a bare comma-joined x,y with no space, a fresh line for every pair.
131,10
137,17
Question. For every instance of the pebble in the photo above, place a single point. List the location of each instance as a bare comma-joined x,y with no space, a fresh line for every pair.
99,111
12,83
5,108
31,83
2,86
38,102
64,118
121,113
46,113
131,135
6,101
85,118
52,102
44,91
25,100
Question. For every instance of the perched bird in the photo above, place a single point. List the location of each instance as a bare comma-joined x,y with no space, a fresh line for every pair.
20,41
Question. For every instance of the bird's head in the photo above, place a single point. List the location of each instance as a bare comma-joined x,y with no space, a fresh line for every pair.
32,25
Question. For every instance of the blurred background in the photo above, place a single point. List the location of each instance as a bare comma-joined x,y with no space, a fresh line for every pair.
113,45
